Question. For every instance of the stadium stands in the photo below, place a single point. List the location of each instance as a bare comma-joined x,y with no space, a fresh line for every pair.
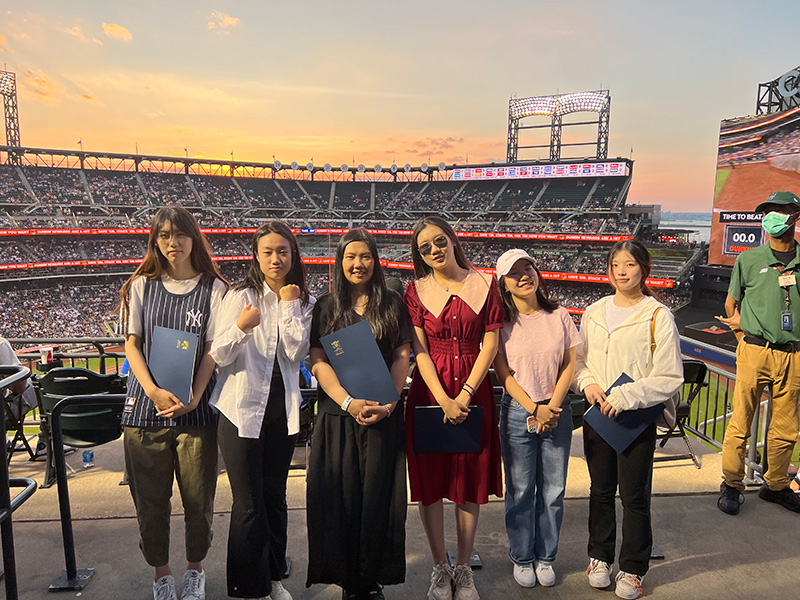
564,194
352,196
79,299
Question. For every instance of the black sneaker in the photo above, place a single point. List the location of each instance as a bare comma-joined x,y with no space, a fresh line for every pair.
729,499
376,594
785,497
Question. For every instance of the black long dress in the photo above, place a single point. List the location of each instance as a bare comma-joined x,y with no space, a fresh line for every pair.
356,489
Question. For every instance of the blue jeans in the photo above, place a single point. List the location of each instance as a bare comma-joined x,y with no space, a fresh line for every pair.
536,476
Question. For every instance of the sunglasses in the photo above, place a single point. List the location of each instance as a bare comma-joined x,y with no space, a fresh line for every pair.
440,241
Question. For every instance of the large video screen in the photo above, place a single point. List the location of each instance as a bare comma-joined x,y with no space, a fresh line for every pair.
598,169
757,156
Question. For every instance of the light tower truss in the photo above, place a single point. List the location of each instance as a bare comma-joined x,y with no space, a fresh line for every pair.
8,89
556,107
780,94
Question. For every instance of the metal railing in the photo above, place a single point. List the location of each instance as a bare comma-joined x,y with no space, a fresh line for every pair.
80,354
12,375
708,419
712,409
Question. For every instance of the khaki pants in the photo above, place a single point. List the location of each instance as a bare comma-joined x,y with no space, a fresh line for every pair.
756,368
152,456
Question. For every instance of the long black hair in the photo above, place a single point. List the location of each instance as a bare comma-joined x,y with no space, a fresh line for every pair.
154,264
542,296
421,268
639,253
297,273
379,312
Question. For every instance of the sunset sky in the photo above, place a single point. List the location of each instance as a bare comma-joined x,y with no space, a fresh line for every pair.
372,82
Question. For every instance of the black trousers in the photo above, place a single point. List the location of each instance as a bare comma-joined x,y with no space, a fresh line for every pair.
633,472
257,470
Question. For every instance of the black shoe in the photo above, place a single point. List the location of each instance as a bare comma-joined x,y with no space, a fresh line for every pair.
376,594
729,499
348,595
785,497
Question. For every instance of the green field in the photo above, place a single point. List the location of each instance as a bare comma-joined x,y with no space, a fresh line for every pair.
722,177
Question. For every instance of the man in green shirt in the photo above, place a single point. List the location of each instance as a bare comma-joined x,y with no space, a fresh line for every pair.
763,309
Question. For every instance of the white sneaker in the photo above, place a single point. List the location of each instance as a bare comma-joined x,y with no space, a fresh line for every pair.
441,583
164,588
194,585
525,575
279,592
465,584
629,586
545,574
599,573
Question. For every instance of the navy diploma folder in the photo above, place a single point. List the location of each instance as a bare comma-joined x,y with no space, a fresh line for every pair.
432,434
358,363
171,361
622,430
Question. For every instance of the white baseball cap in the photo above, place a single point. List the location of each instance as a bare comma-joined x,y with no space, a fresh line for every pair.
508,258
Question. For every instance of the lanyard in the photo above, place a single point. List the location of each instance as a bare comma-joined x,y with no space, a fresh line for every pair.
785,288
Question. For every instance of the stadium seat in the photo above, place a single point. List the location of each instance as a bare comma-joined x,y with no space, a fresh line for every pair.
81,427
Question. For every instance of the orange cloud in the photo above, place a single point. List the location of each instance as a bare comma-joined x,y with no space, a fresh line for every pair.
20,36
78,33
222,21
40,85
89,97
3,43
117,32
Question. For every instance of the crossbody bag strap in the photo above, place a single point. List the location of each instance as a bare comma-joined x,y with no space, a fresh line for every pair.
653,330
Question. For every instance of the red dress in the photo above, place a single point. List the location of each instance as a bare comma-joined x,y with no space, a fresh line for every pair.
454,339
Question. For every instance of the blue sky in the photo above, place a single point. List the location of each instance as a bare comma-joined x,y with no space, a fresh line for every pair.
373,82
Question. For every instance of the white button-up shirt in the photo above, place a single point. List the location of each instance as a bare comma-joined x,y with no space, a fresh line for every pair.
246,360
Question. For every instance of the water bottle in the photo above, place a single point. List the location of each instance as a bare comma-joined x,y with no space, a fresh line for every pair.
88,459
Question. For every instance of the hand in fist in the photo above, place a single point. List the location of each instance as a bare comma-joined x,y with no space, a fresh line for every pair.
250,318
290,292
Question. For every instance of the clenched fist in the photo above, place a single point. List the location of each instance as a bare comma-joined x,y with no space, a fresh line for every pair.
290,292
249,318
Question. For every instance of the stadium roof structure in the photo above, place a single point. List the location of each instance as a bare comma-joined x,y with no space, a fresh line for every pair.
557,107
115,161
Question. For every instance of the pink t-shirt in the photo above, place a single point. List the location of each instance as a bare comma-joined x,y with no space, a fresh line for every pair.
534,346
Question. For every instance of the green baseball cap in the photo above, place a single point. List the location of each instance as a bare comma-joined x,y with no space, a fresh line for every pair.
780,198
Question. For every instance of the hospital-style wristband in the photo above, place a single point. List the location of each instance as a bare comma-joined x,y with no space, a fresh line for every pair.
346,403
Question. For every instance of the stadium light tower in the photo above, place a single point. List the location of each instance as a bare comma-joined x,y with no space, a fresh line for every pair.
556,107
780,94
8,88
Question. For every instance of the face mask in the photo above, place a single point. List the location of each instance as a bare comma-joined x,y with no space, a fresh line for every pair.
776,224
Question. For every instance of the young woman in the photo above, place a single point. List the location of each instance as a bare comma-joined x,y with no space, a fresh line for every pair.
617,334
456,312
264,327
356,488
176,286
535,364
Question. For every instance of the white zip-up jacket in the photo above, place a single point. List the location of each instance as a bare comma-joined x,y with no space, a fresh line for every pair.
602,356
246,359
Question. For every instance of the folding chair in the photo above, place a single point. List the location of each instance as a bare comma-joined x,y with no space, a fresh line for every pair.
694,380
15,411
